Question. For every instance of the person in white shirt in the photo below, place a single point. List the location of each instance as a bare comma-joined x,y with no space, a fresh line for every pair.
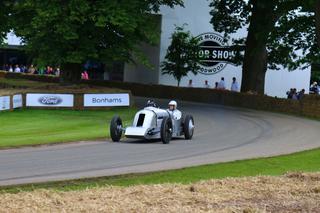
221,84
234,85
174,112
10,69
17,69
314,88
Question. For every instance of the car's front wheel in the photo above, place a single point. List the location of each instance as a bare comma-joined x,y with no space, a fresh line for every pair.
188,127
166,130
116,129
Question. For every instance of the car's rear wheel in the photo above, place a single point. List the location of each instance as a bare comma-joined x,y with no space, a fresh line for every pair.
166,130
188,127
116,129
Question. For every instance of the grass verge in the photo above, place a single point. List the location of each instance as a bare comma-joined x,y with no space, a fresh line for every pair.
36,127
308,161
23,83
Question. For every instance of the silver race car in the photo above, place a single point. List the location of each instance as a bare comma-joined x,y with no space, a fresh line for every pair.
153,123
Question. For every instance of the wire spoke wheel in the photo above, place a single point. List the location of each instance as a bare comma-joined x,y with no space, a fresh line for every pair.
166,130
188,127
116,129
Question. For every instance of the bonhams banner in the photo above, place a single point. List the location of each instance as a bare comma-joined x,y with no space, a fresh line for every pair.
50,100
106,100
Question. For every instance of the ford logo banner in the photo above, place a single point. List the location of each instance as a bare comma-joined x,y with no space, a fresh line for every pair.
50,100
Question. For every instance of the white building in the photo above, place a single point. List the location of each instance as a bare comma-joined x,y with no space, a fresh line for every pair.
196,15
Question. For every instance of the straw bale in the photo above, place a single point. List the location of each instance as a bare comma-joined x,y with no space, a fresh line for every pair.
294,192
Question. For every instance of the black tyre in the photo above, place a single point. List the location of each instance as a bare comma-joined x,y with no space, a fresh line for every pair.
166,130
188,127
116,129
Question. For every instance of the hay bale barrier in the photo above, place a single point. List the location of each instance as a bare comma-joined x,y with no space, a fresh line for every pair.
294,192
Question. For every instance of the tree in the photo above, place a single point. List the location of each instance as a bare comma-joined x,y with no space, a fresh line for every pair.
277,31
5,6
317,18
182,55
70,32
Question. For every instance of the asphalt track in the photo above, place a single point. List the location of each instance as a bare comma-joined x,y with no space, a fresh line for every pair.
222,134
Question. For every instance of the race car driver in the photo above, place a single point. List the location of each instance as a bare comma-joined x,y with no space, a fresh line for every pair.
175,113
151,103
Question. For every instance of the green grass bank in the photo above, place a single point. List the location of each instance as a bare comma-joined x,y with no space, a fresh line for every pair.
36,127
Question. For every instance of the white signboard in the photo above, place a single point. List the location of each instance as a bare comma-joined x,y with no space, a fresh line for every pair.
17,101
4,103
106,100
49,100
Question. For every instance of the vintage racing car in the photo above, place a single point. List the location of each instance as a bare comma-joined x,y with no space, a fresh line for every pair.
153,123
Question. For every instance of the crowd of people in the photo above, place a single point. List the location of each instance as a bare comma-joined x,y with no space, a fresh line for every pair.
293,94
221,85
32,69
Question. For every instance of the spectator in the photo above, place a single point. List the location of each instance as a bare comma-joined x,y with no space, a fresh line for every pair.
190,83
49,70
46,70
290,93
216,85
206,85
31,69
294,94
6,67
234,85
301,94
84,75
41,71
314,88
23,68
221,84
36,70
17,69
57,71
10,68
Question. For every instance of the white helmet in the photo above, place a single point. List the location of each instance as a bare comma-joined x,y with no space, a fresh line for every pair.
173,103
